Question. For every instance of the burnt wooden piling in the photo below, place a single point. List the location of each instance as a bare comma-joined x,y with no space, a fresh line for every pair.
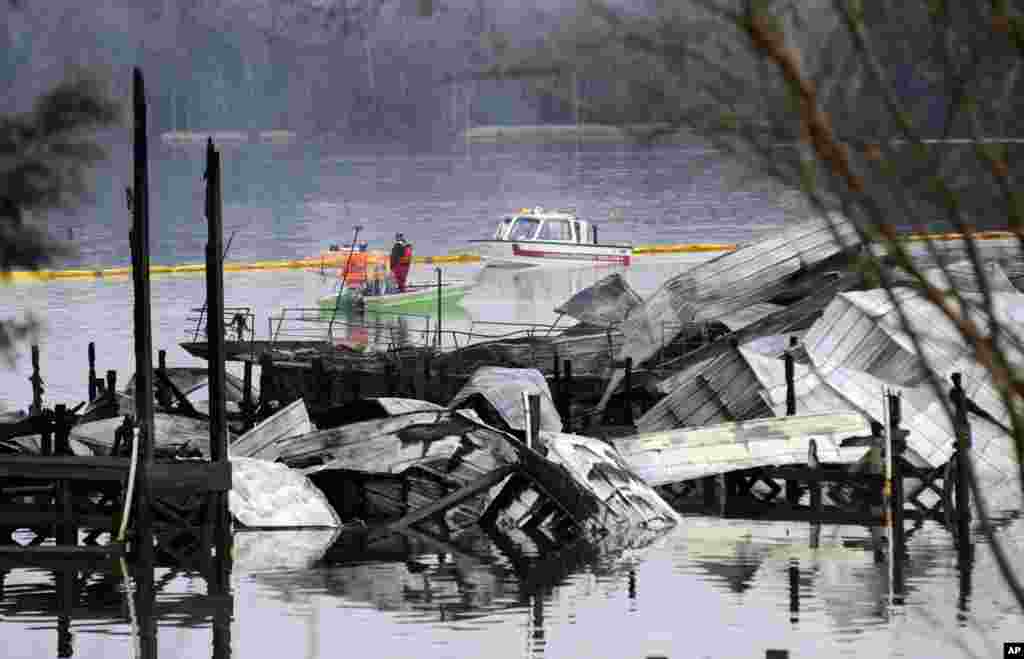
439,307
794,590
963,449
266,379
139,240
112,385
627,401
319,378
567,392
37,383
247,393
46,433
788,359
92,371
793,490
217,500
62,430
895,485
533,411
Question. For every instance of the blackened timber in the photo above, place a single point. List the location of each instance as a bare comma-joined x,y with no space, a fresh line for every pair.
92,371
485,482
185,405
215,300
143,327
182,477
37,383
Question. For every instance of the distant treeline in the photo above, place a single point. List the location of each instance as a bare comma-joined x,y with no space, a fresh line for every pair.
366,68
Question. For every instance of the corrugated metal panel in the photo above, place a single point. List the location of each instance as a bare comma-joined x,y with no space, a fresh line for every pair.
597,466
719,390
504,387
607,302
395,406
749,315
931,438
669,457
288,422
727,283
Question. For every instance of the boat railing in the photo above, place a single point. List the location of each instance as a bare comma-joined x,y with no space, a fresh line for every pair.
239,324
319,324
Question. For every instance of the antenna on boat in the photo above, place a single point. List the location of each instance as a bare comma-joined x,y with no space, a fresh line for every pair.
344,277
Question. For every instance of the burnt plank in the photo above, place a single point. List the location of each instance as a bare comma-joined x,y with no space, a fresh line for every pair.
190,477
446,502
63,467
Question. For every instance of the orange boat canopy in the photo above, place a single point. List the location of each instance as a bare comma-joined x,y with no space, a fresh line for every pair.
363,267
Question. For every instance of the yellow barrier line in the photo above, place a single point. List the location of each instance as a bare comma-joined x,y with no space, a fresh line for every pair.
335,260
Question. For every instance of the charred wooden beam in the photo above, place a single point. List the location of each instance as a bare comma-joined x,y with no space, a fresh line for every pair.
485,482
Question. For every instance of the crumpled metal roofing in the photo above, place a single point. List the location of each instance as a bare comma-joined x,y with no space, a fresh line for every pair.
723,285
607,302
504,387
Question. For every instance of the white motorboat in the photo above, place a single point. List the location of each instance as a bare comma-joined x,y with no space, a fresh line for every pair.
535,236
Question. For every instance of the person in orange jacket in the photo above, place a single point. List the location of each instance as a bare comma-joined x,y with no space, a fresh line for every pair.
401,260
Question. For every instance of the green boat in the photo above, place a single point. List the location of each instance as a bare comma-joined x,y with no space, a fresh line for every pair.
417,298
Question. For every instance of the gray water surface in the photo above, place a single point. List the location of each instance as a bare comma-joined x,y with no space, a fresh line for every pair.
712,588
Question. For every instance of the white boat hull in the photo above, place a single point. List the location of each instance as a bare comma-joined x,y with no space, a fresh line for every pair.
530,252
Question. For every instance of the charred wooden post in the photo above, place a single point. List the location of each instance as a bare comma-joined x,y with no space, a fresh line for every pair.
895,449
62,430
46,433
328,383
92,371
963,449
161,360
354,379
317,373
266,379
439,311
37,383
442,381
112,385
816,499
533,409
216,501
247,393
390,377
567,392
790,377
815,540
143,329
708,487
215,303
723,489
897,443
792,487
421,375
65,584
627,400
794,590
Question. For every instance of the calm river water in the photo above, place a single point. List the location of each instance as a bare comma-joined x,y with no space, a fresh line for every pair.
712,588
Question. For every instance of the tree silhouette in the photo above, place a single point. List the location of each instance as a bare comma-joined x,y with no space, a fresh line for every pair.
45,155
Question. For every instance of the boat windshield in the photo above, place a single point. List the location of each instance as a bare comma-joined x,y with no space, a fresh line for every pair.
555,230
502,228
524,228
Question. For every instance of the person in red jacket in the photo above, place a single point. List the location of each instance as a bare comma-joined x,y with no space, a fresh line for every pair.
401,260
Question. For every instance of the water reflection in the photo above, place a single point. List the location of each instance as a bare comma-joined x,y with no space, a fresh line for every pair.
747,585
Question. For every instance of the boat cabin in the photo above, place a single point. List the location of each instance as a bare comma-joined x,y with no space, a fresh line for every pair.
538,225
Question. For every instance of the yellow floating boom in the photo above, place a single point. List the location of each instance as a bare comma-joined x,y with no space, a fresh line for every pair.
336,259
